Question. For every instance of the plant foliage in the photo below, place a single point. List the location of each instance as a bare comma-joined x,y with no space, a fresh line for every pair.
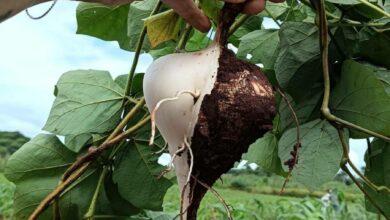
123,181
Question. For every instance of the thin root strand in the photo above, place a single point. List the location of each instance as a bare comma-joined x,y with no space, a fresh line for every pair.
218,196
195,94
170,165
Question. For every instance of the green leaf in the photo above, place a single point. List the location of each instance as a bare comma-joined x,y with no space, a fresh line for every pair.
211,8
35,169
136,176
40,153
117,202
378,171
264,152
276,9
384,77
198,41
139,10
375,46
159,215
304,109
88,101
386,6
121,80
251,24
76,142
262,45
366,12
347,39
320,154
162,27
104,22
163,49
298,45
344,2
361,98
294,14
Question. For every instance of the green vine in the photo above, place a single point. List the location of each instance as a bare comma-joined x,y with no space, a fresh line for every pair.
325,69
324,43
137,53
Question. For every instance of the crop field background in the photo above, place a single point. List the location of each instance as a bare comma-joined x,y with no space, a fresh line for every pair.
253,195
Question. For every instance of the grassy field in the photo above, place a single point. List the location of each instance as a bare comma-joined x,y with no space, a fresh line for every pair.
248,195
242,193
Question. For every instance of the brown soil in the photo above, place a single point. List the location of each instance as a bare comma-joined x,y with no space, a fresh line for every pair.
238,111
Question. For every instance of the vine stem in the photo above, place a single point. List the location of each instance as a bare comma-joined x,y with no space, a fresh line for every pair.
344,167
137,54
127,118
367,181
376,8
82,167
240,21
79,162
325,69
184,38
91,210
346,170
56,192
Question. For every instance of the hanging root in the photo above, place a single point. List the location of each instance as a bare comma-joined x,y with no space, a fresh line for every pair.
170,165
195,94
185,146
182,201
191,160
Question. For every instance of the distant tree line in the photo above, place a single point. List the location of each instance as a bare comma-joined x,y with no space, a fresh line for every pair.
11,142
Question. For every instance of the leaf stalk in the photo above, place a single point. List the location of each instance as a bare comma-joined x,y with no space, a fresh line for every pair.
91,210
184,38
137,54
374,7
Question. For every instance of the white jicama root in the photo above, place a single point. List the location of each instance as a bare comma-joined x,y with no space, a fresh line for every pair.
209,107
180,77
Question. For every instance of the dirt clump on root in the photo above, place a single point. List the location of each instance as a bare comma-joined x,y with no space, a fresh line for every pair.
239,110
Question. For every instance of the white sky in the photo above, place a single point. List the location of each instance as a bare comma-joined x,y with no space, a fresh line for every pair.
34,53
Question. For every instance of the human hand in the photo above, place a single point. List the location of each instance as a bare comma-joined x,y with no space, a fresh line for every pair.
195,17
185,8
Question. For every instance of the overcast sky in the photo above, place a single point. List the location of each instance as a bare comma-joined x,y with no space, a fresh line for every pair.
33,55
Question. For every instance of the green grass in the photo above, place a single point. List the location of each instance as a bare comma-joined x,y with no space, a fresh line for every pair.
245,193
